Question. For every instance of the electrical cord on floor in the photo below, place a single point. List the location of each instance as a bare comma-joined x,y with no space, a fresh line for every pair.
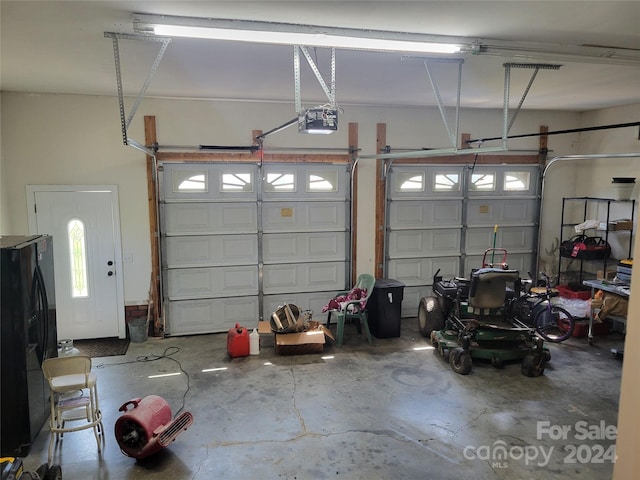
152,358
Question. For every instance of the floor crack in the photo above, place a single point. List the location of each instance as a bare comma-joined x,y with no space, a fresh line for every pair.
303,425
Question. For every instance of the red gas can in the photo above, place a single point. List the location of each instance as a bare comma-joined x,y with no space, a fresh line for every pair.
238,341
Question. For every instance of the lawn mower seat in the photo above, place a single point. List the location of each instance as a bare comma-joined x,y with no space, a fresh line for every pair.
488,287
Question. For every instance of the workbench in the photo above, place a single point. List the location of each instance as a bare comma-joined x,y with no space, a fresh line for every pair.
621,289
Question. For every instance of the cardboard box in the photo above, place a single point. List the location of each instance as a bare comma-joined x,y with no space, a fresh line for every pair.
611,272
299,343
310,341
621,225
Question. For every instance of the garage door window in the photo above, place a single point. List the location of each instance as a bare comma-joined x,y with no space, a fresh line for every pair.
516,181
410,182
188,181
280,182
237,182
446,182
322,182
485,182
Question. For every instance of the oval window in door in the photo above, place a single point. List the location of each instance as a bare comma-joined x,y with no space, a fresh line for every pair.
78,258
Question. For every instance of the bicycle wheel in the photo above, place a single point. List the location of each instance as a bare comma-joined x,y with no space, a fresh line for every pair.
556,325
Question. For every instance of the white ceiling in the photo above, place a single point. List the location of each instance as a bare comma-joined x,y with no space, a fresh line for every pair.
59,47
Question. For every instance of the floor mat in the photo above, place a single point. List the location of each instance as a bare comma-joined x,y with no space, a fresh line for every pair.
102,347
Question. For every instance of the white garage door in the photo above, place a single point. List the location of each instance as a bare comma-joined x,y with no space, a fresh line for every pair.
238,240
442,217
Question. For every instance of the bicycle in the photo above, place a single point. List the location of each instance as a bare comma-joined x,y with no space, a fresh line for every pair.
551,322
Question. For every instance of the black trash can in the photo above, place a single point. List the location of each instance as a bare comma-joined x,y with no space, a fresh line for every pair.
384,308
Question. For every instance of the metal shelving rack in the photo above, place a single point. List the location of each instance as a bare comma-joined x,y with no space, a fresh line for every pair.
586,203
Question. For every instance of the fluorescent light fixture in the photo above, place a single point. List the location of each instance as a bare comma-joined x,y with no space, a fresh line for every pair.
308,39
318,121
377,40
418,349
532,51
328,357
291,34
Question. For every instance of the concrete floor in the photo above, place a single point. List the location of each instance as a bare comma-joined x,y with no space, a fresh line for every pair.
366,412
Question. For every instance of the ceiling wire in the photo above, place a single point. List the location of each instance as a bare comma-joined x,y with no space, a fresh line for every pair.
559,132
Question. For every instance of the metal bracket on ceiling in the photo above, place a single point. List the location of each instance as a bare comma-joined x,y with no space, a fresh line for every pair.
126,122
452,136
453,150
506,125
536,67
330,92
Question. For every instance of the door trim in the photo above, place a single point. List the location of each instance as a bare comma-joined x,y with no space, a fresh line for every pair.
31,191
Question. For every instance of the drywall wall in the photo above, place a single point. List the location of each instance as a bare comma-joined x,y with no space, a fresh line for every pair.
4,198
591,177
71,139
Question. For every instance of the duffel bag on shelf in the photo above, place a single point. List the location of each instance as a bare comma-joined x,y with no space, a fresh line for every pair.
583,247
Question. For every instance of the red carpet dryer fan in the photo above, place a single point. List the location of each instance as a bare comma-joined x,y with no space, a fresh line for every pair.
147,427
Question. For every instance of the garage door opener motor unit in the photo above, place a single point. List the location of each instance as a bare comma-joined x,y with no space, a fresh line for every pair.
318,121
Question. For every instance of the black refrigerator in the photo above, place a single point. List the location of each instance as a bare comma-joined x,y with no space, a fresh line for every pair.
27,337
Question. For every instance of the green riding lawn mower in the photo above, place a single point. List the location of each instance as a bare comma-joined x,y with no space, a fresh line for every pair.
469,319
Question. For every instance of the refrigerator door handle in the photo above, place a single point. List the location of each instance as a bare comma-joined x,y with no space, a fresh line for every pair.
42,296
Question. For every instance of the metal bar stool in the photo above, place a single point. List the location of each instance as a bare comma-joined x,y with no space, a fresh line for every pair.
73,398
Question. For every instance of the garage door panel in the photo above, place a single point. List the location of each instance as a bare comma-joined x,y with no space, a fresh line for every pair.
305,181
517,261
210,250
185,283
421,271
411,299
510,238
425,181
325,276
209,218
210,315
418,214
304,247
210,182
500,211
519,210
303,216
422,243
522,238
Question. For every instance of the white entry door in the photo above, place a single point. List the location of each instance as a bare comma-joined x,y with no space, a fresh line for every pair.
86,257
